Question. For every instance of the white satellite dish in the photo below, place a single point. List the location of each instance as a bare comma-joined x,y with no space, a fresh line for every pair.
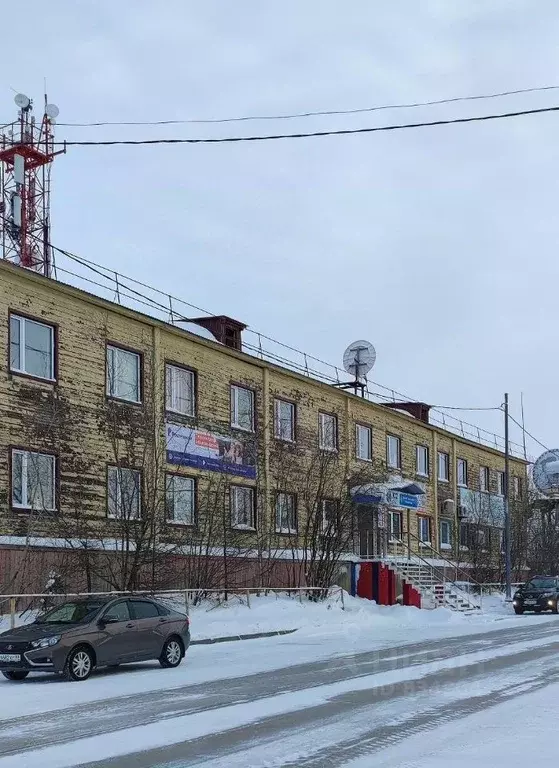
22,100
546,473
359,358
52,111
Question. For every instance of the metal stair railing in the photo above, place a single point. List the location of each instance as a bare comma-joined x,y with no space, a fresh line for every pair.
427,569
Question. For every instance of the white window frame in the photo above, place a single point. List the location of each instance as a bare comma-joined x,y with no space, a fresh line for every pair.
447,524
118,514
236,389
23,322
422,450
323,419
279,421
484,479
462,464
171,492
392,516
421,521
443,457
289,499
234,493
173,401
517,487
391,441
500,483
26,502
113,352
368,433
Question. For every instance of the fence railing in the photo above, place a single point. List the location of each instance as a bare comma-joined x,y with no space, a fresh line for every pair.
38,602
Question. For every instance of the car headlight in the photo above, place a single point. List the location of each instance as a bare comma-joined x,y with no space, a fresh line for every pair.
45,642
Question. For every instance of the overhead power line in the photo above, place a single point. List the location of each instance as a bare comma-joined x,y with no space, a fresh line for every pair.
311,134
317,113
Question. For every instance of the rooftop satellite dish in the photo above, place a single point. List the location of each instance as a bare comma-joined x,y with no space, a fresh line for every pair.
546,473
359,358
52,111
22,100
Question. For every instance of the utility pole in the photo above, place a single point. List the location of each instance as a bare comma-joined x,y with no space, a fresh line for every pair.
506,504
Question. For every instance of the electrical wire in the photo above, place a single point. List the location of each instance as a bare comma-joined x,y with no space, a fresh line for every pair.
535,439
312,134
318,113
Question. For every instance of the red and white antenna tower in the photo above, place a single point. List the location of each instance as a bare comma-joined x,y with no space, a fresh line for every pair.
26,154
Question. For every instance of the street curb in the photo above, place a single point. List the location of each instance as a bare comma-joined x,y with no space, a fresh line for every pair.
233,638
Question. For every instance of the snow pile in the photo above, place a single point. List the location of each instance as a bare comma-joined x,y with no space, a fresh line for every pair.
269,613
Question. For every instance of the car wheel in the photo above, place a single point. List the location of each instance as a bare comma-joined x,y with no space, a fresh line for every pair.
519,611
79,664
555,608
537,610
15,674
172,653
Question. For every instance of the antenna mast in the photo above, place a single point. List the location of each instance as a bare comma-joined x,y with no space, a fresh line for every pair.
26,155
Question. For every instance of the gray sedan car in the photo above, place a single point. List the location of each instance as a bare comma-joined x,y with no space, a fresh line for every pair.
78,636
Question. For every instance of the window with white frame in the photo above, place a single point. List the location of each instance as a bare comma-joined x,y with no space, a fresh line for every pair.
31,347
517,487
284,420
443,464
123,493
393,452
501,483
329,509
445,534
363,442
286,513
327,432
422,460
242,507
462,472
180,499
424,529
33,480
242,408
484,479
395,525
180,390
123,374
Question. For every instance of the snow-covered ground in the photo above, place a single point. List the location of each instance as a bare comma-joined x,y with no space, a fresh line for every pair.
325,631
511,735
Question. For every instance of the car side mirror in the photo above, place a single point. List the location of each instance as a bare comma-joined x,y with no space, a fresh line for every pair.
107,620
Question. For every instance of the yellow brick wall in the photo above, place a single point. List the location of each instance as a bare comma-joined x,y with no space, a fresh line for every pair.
68,417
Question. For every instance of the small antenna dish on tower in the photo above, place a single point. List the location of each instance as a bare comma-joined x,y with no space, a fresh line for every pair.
359,358
52,111
22,101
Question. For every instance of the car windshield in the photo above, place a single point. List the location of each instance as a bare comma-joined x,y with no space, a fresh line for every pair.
70,613
541,584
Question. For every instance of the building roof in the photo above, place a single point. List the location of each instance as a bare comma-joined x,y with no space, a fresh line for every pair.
201,336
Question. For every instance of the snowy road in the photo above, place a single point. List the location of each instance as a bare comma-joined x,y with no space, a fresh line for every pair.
322,713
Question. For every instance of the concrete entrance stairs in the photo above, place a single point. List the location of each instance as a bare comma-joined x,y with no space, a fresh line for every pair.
432,581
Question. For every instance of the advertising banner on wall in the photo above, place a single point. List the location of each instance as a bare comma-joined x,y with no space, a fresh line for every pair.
199,448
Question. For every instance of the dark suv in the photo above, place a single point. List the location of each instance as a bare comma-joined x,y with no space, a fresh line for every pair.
539,594
96,632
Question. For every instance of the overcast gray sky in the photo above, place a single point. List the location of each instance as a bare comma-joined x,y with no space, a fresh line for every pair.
439,245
